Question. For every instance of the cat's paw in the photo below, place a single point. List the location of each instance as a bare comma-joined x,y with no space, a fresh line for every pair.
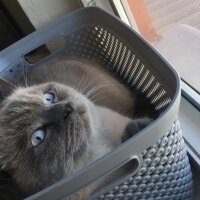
135,126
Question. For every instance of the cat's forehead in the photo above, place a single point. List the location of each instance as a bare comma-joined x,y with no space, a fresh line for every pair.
39,89
33,96
24,94
23,98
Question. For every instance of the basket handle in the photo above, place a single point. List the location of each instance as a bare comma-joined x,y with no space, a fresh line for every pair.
79,180
14,54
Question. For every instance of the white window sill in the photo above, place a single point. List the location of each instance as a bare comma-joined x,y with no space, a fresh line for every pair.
189,118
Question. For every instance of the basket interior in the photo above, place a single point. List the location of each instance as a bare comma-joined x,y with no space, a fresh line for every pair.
98,42
102,44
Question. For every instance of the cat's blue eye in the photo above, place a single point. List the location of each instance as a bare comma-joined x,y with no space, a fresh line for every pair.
48,98
37,137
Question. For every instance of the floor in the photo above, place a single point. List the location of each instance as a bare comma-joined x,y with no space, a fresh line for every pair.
167,13
178,25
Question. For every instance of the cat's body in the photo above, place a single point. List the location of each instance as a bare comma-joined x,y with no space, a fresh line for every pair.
41,142
90,78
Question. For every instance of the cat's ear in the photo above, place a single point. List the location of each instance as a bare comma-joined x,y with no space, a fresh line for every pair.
6,88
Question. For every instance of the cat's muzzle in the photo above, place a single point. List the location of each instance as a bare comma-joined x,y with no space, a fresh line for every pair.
59,113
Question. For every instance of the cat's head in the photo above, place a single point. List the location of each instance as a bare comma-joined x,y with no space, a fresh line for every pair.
44,130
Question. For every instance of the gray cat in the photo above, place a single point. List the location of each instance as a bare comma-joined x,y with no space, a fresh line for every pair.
66,115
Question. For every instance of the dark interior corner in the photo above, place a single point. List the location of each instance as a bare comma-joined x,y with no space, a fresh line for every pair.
10,29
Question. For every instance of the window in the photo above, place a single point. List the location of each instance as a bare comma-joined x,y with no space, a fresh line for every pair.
173,28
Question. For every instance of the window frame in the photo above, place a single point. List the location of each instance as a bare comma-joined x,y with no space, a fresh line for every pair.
190,100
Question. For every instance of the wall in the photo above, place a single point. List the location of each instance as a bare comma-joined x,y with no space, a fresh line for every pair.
40,12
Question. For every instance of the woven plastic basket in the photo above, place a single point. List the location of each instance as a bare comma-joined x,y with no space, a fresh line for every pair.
163,170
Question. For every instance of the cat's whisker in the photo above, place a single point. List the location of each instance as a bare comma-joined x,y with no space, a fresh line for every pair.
81,84
64,152
97,94
98,87
78,86
84,85
95,97
90,83
72,136
71,163
69,166
68,138
98,99
25,81
25,76
9,83
100,93
92,89
73,168
74,125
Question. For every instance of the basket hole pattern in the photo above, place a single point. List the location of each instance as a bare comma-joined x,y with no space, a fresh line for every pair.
164,174
13,72
96,42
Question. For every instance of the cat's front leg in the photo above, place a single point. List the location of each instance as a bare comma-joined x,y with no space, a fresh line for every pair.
134,127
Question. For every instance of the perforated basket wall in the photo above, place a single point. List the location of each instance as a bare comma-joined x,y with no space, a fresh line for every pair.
91,33
99,42
165,173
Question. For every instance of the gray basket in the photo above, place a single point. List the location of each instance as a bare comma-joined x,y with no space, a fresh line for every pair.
163,171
